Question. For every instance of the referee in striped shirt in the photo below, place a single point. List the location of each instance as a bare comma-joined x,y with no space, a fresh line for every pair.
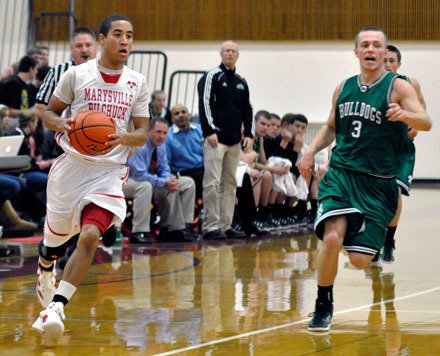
82,48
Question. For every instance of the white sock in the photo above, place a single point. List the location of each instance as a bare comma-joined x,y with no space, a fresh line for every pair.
66,289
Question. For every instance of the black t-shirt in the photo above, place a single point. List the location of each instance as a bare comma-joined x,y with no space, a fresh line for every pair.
14,93
272,148
32,92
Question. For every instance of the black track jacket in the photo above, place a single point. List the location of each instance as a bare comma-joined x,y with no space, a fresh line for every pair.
224,105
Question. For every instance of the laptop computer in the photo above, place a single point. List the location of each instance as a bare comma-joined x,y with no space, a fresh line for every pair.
10,145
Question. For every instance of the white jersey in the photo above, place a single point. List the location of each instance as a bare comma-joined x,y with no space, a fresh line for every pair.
73,184
83,88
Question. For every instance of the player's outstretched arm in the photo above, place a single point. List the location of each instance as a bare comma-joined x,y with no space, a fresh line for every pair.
52,116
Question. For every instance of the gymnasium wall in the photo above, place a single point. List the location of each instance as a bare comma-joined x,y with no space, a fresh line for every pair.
163,20
307,49
301,77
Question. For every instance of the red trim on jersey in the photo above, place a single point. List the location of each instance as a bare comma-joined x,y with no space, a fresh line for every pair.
111,195
125,178
55,164
93,214
112,79
58,136
53,232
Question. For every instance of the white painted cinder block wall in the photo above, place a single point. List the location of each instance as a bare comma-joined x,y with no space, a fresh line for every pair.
300,77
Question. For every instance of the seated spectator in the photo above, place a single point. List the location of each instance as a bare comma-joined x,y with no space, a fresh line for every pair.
36,83
14,91
174,196
10,185
248,158
309,188
4,119
275,126
248,187
13,225
291,145
36,176
158,107
14,189
264,214
282,183
22,188
285,146
185,150
141,192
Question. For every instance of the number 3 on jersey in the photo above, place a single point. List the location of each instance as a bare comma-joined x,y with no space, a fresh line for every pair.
357,126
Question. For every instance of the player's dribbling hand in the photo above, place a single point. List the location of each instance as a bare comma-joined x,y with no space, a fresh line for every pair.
66,123
395,113
114,139
306,164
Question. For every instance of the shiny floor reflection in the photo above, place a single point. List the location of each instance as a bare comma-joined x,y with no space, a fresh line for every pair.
236,298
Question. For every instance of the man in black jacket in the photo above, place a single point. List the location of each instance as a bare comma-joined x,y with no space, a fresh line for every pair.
224,107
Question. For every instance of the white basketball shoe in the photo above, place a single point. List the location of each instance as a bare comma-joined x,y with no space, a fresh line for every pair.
50,320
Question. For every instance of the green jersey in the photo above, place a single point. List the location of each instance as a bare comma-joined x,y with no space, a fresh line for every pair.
365,140
407,159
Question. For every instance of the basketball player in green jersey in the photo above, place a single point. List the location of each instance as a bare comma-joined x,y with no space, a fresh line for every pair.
358,195
404,177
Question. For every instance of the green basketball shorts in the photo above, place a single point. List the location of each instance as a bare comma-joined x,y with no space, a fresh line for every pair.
368,202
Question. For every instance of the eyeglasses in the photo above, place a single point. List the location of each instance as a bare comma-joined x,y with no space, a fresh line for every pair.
179,112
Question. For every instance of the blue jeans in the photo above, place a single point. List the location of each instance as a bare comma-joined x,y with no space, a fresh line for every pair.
36,180
10,185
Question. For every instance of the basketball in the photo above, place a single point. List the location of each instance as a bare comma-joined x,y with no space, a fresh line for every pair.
89,132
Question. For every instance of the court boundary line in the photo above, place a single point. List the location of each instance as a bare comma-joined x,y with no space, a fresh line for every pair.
283,326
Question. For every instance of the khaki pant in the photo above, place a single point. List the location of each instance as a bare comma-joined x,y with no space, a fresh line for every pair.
219,185
175,209
141,193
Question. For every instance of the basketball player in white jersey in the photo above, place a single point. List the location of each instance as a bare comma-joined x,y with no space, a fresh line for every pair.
84,193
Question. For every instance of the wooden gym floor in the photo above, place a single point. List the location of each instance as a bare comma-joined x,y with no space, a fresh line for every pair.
236,298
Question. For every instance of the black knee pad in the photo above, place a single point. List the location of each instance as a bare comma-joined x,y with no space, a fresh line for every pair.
52,253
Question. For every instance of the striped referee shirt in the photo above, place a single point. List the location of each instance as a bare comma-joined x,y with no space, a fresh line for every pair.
51,81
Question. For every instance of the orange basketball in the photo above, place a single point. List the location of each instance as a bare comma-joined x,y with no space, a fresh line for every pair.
89,132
